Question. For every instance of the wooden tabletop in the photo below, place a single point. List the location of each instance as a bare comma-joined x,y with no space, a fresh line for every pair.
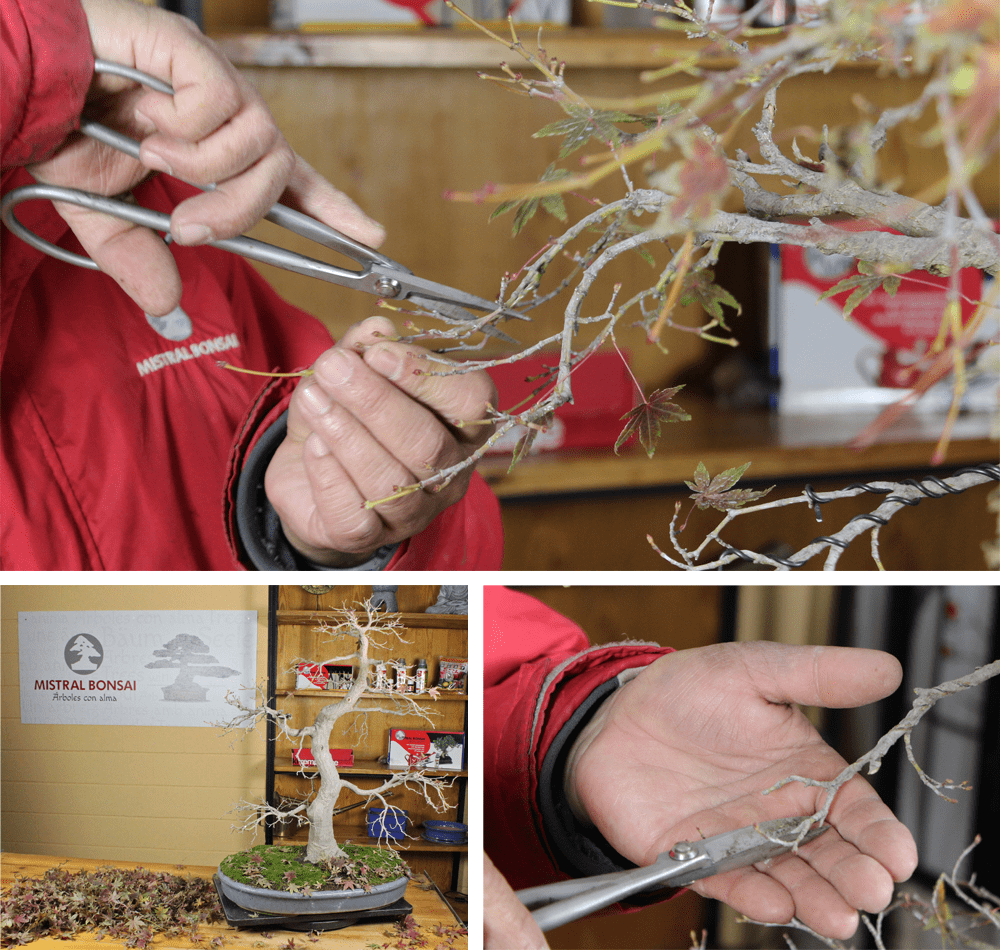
429,910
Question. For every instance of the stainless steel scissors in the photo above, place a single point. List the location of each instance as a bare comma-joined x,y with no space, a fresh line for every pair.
553,905
378,274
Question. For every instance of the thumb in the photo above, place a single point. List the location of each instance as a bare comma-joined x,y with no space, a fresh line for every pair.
507,923
835,677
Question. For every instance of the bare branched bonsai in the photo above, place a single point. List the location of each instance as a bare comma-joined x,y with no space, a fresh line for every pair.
360,630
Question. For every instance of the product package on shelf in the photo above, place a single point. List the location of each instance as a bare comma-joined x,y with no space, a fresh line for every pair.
453,673
872,356
326,676
333,15
339,677
426,749
342,758
311,676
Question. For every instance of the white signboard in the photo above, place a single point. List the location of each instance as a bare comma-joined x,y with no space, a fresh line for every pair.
134,667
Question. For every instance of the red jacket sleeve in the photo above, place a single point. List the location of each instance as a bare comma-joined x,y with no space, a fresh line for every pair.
47,64
539,669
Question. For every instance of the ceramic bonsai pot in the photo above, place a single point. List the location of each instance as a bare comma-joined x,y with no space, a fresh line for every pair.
268,901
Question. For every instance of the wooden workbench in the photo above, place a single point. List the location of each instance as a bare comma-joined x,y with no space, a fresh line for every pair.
429,910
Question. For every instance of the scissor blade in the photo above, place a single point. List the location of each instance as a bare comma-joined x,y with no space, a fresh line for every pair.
746,846
685,863
449,302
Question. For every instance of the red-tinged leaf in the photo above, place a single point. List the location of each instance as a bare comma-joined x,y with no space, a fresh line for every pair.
523,447
719,492
644,420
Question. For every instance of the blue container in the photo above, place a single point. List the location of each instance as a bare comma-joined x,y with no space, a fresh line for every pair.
392,825
446,832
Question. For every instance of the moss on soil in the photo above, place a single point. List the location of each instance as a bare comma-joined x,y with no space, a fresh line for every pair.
284,868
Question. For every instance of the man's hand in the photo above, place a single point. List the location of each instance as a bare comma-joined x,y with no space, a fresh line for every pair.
686,749
214,129
374,417
507,923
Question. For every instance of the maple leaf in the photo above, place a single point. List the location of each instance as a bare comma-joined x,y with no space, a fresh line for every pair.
526,440
699,181
700,286
527,209
580,125
863,284
718,492
645,419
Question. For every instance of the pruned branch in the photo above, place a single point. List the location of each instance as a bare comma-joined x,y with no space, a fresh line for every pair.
872,760
932,913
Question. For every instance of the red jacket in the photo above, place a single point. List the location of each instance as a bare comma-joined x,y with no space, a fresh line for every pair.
122,447
541,680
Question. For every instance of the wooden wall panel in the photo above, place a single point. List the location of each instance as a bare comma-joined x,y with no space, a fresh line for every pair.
130,793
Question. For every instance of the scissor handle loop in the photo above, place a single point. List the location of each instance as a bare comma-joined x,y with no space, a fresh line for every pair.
85,199
379,275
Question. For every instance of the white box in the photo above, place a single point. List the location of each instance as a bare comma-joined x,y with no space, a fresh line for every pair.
826,362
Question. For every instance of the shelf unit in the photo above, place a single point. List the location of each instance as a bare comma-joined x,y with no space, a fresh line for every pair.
292,636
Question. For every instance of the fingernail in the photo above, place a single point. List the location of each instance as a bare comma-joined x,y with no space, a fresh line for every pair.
335,366
317,400
317,447
192,234
386,361
156,162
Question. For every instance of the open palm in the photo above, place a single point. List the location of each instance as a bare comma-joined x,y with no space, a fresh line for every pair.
687,748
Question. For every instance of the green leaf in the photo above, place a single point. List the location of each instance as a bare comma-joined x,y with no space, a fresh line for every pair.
862,285
644,421
861,293
701,287
581,125
576,130
527,208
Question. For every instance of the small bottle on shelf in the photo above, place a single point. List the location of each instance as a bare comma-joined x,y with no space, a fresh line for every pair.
772,13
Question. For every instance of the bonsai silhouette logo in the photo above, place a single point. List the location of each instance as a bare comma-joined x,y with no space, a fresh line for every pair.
84,653
190,656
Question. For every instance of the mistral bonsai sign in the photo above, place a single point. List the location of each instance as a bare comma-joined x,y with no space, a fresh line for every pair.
134,668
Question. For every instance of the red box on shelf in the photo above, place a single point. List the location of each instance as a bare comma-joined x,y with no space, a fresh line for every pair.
603,391
341,757
871,358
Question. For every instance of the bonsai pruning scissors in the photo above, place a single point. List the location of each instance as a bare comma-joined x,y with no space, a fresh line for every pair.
687,861
378,274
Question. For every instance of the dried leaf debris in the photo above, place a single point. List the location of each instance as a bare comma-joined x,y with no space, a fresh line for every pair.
133,906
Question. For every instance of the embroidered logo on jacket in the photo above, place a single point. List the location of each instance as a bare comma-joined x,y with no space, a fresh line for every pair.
179,354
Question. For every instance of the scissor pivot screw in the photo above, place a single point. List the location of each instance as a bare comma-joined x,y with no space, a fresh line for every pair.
387,287
683,851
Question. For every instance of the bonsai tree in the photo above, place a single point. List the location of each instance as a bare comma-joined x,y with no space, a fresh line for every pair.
444,744
89,656
190,656
686,192
360,631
